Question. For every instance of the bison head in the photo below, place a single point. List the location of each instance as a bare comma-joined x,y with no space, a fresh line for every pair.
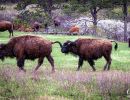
2,51
69,47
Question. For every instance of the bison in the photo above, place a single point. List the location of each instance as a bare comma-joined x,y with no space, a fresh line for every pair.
74,29
28,47
90,50
6,25
36,26
56,23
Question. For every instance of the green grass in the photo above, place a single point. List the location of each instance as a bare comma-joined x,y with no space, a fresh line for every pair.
120,58
58,86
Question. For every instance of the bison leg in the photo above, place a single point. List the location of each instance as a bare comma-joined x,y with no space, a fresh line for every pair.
10,33
80,63
91,62
20,64
105,66
51,61
40,61
108,59
109,64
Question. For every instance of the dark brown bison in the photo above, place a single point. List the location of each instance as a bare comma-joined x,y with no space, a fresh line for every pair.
56,23
28,47
36,26
6,25
90,50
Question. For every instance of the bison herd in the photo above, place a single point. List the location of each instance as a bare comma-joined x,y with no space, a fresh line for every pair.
35,47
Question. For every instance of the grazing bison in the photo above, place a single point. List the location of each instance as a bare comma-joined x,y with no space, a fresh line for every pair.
90,50
74,29
56,23
6,25
46,27
28,47
36,26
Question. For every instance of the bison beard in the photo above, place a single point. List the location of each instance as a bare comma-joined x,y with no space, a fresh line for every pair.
28,47
90,50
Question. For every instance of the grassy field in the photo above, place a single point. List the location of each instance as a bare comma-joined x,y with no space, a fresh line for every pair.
66,83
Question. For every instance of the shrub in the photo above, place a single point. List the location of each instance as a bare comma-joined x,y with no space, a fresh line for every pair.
12,87
2,8
115,13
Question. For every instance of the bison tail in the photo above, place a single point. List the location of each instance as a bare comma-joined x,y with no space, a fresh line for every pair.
116,45
58,43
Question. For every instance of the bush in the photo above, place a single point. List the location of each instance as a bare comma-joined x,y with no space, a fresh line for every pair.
32,16
2,8
115,13
74,7
14,88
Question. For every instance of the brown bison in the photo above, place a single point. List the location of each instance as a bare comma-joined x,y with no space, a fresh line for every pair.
56,23
6,25
74,29
28,47
90,50
36,26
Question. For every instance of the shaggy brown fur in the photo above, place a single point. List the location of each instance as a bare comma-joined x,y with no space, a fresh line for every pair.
6,25
90,50
28,47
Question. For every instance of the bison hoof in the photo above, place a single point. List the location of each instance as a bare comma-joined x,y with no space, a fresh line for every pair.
22,70
53,71
35,77
93,70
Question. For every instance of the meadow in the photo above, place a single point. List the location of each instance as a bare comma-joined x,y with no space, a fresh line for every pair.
66,83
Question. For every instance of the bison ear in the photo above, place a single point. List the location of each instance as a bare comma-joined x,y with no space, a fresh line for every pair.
2,46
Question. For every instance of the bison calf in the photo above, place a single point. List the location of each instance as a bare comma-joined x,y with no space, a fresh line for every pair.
28,47
90,50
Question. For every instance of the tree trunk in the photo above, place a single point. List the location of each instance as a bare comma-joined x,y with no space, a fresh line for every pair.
66,0
50,3
125,11
84,1
78,1
94,15
125,30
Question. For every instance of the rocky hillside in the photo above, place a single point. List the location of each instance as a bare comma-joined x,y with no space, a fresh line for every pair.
110,28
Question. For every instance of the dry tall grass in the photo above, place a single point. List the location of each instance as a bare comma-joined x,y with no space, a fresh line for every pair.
76,84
